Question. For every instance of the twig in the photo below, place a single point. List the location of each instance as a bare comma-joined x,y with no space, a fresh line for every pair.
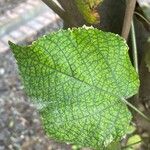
141,16
134,47
128,18
135,55
58,10
135,109
62,12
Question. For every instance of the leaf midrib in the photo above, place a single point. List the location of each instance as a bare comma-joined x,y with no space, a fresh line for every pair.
100,89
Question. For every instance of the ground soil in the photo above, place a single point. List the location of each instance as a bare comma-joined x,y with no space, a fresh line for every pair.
20,126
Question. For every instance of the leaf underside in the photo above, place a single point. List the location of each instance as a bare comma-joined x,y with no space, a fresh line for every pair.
77,78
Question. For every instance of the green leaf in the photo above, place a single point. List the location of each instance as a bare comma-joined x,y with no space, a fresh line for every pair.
134,141
78,78
88,8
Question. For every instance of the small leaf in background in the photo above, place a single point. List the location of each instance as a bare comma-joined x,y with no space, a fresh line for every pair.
77,78
133,142
88,10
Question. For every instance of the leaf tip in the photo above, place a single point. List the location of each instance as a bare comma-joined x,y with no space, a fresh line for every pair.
11,44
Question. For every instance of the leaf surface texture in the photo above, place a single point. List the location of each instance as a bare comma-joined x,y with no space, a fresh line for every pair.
77,78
